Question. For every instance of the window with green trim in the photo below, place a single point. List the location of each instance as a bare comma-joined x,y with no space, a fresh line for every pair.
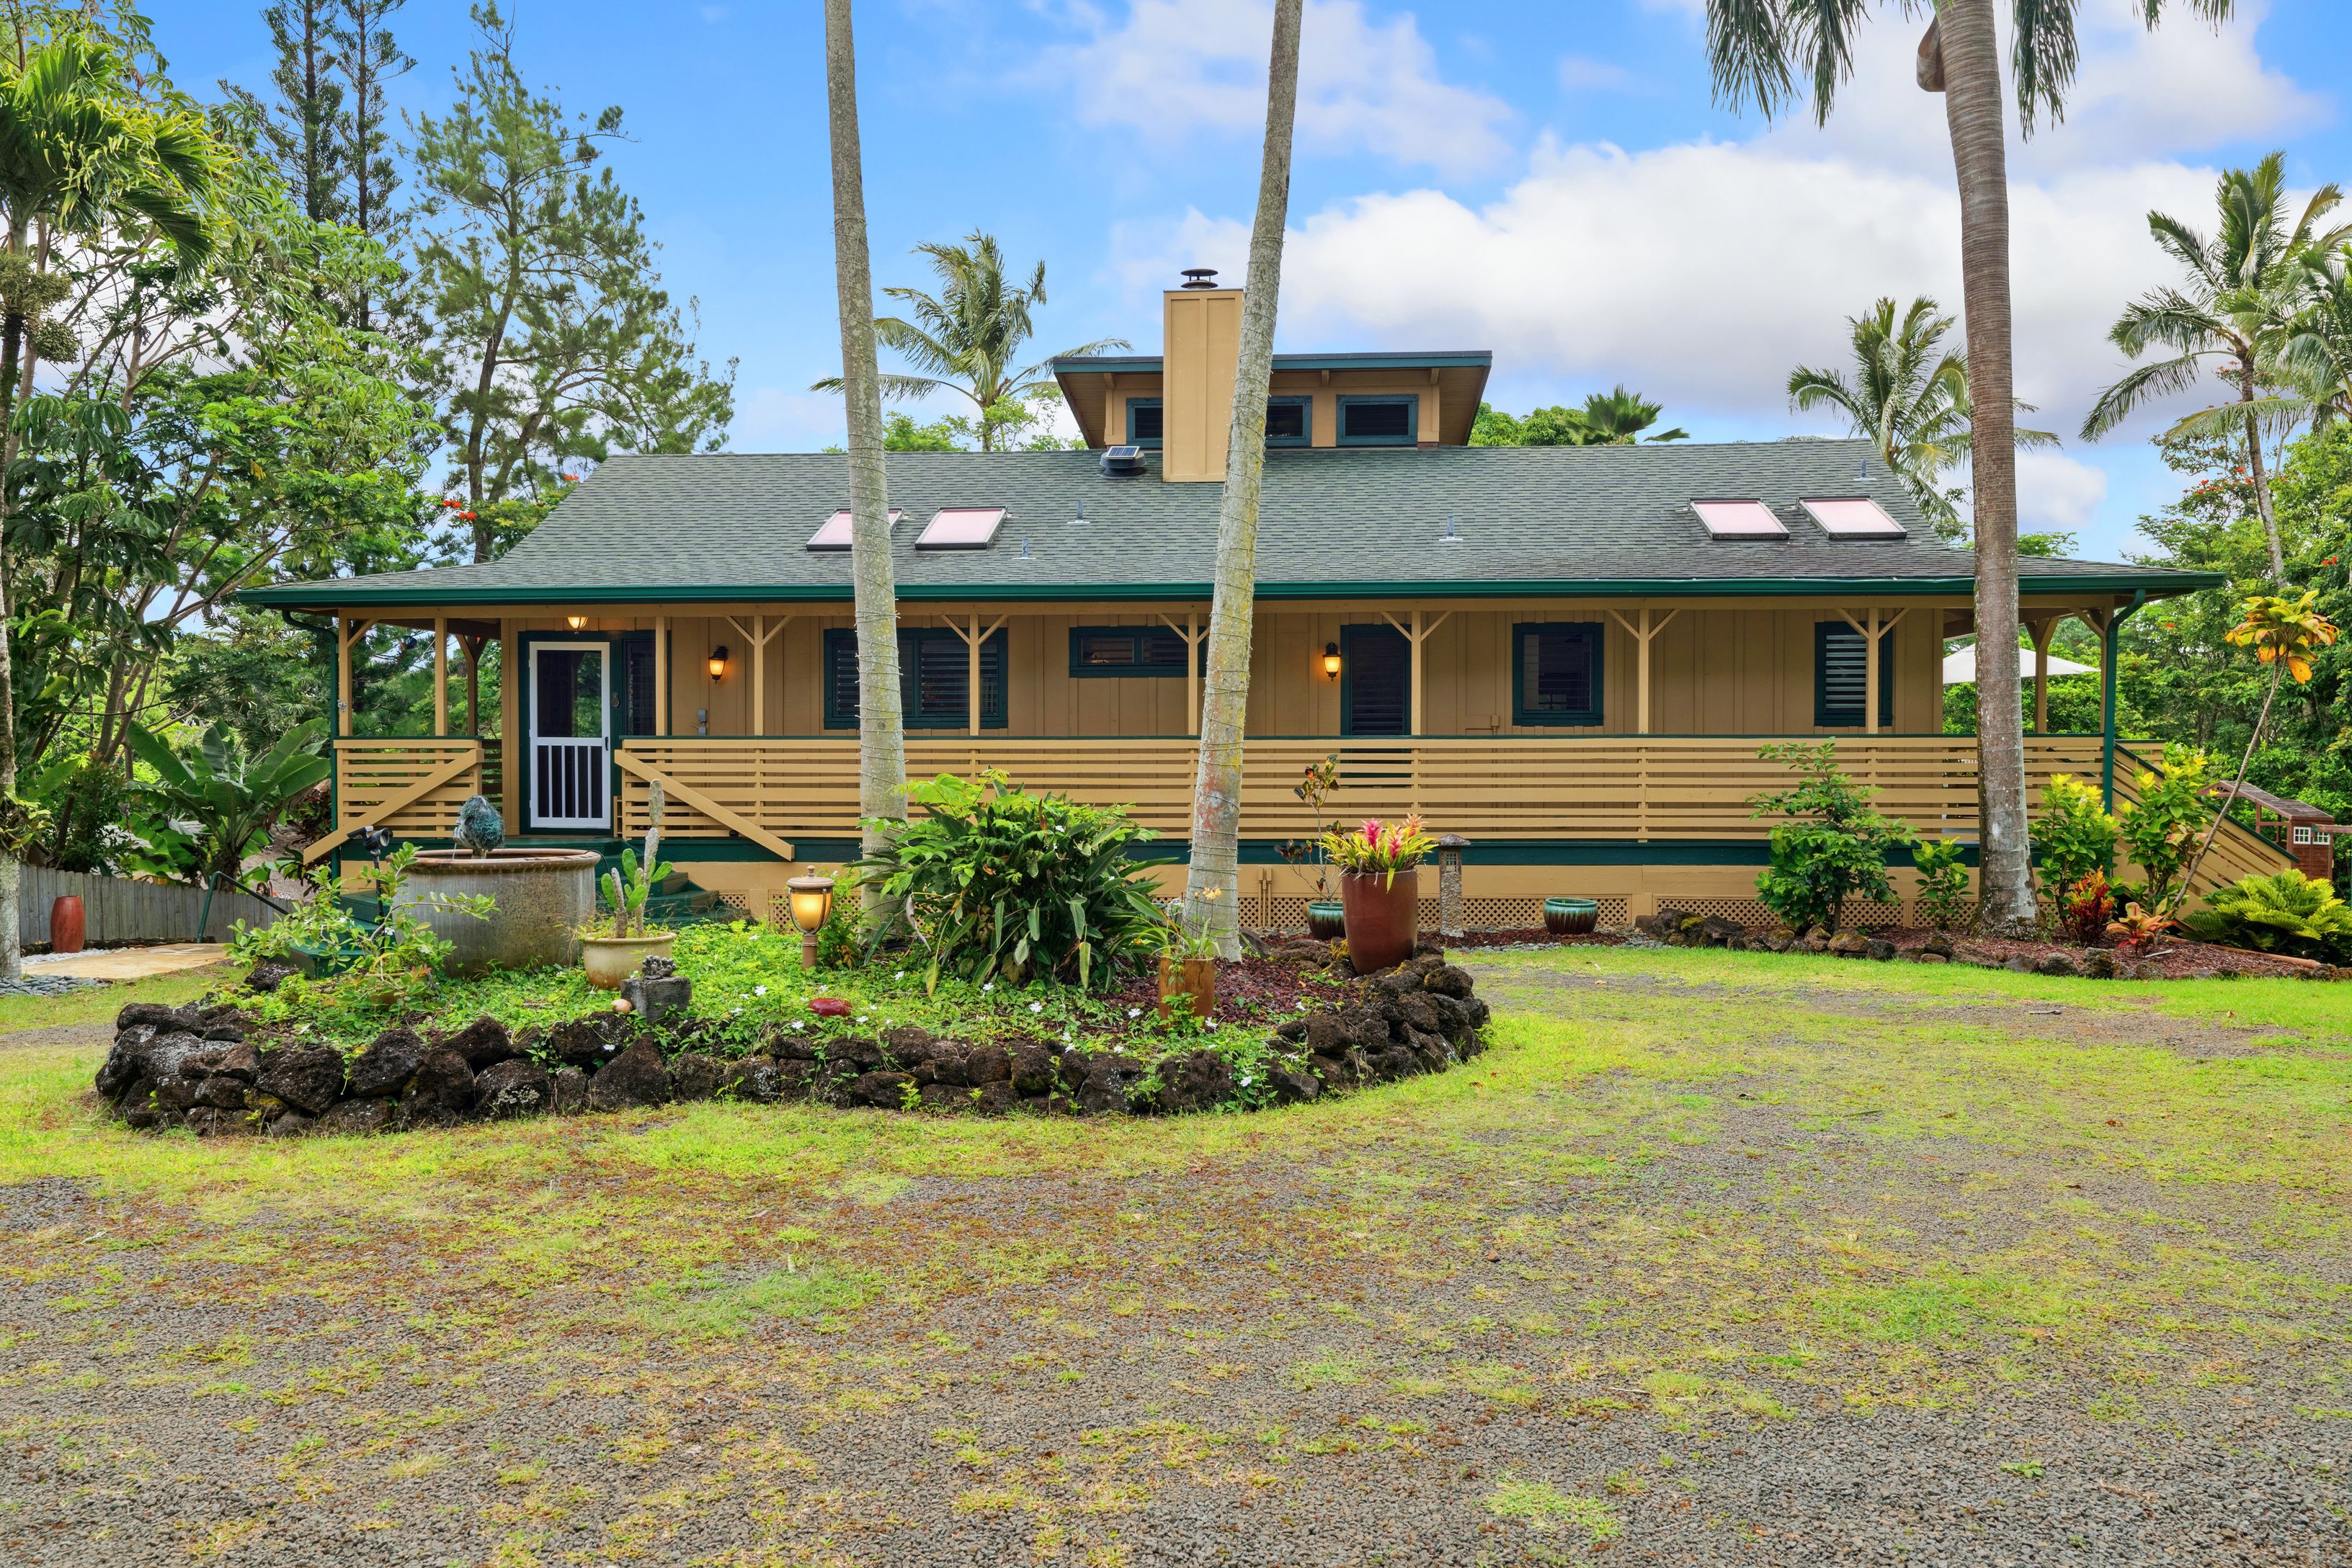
1841,674
1145,421
1099,653
934,680
1289,421
1556,672
1368,421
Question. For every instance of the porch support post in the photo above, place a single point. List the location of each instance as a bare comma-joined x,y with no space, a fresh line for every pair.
971,680
661,675
1870,676
349,631
1191,632
2107,696
440,675
2041,628
514,688
1416,632
757,637
1642,632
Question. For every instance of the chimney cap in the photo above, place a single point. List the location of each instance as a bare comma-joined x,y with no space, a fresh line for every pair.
1199,278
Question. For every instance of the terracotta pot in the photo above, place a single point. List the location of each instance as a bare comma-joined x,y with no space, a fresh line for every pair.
1326,919
1570,917
1189,984
66,924
1383,918
609,960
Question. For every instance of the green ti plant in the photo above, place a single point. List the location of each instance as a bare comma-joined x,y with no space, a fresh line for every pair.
628,887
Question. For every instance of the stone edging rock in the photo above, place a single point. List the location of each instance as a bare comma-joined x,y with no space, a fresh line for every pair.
197,1068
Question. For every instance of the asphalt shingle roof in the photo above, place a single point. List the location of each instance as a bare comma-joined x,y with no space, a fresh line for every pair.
730,526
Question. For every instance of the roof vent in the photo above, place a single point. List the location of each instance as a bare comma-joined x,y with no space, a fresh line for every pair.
1080,520
1199,278
1122,462
1453,534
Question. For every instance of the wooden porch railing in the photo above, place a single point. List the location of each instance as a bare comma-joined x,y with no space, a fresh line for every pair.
411,784
1629,788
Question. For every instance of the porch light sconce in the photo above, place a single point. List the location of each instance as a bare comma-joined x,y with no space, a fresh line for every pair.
719,662
812,902
575,622
1330,661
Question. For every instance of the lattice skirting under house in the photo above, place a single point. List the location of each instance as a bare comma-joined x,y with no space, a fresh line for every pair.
1279,913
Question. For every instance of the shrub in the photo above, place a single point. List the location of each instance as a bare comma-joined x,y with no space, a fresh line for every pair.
2161,827
1943,883
2137,930
2286,912
2074,838
1837,847
998,884
393,956
2084,908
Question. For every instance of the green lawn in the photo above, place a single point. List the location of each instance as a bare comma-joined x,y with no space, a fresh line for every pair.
1704,1193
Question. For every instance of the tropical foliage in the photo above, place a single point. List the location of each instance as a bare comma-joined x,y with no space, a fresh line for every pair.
2286,912
1943,895
993,884
2160,827
965,338
1380,848
1618,417
2074,837
1835,845
234,798
1909,397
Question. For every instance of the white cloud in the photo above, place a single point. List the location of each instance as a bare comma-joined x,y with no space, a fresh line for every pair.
1146,256
1171,67
1579,74
2057,494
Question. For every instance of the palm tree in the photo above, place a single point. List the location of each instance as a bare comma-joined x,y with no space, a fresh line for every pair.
1758,50
970,334
1910,397
2283,632
2313,357
2227,317
1619,418
881,733
1212,882
80,156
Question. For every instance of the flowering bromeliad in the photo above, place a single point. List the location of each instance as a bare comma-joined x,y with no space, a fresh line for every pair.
1379,848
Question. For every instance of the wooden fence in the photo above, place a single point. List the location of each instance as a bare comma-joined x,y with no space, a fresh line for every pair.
118,909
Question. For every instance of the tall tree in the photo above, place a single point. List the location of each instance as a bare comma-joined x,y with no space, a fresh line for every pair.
881,733
301,132
82,154
552,339
1909,397
2228,317
1758,49
1212,881
965,338
368,60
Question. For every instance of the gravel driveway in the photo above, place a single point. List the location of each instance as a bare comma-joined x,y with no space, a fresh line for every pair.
1687,1270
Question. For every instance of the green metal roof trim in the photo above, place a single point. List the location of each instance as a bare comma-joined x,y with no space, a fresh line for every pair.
1122,365
1334,524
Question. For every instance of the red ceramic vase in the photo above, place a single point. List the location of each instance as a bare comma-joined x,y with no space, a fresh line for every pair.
66,927
1383,918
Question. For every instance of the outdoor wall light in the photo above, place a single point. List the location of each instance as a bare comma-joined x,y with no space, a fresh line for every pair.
1331,661
812,902
719,662
575,622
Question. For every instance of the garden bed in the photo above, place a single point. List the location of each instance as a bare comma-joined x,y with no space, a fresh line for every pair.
337,1055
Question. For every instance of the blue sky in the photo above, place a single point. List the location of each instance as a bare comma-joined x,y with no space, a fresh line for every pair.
1550,181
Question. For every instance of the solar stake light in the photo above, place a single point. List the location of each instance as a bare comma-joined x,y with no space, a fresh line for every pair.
812,901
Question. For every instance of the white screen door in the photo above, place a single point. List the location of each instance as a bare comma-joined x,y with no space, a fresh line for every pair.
570,700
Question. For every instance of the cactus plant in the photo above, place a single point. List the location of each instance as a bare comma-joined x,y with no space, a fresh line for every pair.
628,887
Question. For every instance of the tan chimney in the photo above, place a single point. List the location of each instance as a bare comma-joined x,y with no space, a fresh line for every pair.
1199,345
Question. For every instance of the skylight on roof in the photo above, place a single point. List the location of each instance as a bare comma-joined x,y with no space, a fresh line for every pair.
834,534
1853,517
1740,520
961,528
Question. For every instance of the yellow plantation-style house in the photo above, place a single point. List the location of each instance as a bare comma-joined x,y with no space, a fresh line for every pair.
1568,656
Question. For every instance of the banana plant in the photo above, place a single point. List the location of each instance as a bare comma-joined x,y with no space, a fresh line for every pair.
232,797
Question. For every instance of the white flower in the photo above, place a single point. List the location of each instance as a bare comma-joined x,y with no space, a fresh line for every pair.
799,1023
861,1018
1135,1012
1209,1024
734,1009
759,991
901,975
987,985
1036,1006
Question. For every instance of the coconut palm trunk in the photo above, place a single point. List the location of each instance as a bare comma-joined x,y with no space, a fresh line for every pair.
1212,883
2262,482
881,734
1970,65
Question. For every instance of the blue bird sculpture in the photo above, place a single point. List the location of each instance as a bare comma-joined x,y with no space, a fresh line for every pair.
478,827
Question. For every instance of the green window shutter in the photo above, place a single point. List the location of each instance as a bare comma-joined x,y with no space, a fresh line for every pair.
1841,672
1556,672
1102,653
934,680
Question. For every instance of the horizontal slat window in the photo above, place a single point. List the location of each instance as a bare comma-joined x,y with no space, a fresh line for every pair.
934,680
1556,672
1289,421
1144,422
1380,421
1109,652
1842,674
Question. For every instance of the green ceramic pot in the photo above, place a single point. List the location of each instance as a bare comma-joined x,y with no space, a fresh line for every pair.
1570,917
1326,921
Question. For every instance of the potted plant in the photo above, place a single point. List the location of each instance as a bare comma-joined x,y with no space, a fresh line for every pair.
1187,966
1326,917
612,956
1380,888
